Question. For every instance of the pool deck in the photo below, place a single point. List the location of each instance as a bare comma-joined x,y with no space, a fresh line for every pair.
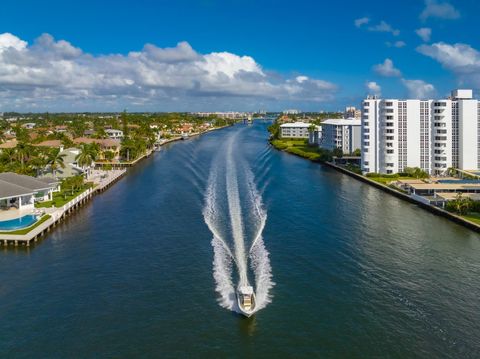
58,214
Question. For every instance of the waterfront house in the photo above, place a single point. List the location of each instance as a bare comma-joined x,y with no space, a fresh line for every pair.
107,144
71,167
18,193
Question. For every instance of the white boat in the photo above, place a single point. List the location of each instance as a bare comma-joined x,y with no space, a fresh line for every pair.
184,136
246,300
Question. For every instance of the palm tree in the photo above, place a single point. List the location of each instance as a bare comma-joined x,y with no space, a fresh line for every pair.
56,160
88,155
23,152
109,155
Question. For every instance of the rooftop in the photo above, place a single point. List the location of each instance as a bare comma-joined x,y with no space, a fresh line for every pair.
295,125
15,185
342,121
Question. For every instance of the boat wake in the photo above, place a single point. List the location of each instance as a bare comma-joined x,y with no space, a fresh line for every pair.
236,217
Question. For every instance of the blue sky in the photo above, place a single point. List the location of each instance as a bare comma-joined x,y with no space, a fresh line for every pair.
237,55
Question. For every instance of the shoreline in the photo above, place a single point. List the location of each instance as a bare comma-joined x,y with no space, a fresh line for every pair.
57,215
432,209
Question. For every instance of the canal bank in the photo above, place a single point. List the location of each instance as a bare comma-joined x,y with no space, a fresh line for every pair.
52,217
431,208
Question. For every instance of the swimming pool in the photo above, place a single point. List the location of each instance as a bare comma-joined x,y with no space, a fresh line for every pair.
18,223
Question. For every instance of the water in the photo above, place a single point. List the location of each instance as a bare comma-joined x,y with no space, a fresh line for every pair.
147,269
18,223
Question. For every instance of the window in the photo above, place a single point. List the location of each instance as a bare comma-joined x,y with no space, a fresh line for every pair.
388,103
389,151
389,172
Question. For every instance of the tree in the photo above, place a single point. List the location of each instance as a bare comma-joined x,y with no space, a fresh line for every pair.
337,152
416,172
109,155
56,160
357,152
23,152
461,205
88,154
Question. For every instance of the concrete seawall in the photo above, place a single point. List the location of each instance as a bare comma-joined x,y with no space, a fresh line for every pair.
435,210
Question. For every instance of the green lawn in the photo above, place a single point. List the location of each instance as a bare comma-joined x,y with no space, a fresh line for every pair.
28,229
472,216
61,198
298,147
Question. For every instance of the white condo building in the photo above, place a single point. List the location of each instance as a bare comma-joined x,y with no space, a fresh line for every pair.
431,134
341,133
295,130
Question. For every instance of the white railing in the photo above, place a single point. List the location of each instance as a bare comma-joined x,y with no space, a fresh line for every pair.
77,199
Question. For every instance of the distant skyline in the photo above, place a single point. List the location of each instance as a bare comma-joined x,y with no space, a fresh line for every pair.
213,55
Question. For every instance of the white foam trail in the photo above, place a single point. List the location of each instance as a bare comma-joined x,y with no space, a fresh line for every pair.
224,256
236,215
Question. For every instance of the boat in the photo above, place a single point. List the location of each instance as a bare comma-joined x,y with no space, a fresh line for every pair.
246,300
184,136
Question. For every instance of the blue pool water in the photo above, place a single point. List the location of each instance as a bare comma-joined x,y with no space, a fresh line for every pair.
463,181
18,223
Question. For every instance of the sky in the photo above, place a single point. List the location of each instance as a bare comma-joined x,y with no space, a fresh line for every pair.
240,55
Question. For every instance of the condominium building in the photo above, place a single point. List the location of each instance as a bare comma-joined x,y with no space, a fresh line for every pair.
431,134
295,130
341,133
351,111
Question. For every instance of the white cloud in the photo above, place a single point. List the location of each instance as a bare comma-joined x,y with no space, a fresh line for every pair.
457,57
441,10
419,89
462,59
56,72
384,27
8,40
387,69
425,33
398,44
361,21
373,87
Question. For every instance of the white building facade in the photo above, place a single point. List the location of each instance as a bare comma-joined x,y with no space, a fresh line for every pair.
344,134
433,135
295,130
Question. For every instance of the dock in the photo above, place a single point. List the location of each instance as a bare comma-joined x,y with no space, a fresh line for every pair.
59,214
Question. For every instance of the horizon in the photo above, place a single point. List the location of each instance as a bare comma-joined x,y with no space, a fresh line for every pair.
194,56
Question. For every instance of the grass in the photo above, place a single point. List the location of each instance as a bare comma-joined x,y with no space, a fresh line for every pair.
298,147
473,217
61,198
28,229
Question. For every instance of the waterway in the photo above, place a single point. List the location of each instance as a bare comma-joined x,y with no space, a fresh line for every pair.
149,268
